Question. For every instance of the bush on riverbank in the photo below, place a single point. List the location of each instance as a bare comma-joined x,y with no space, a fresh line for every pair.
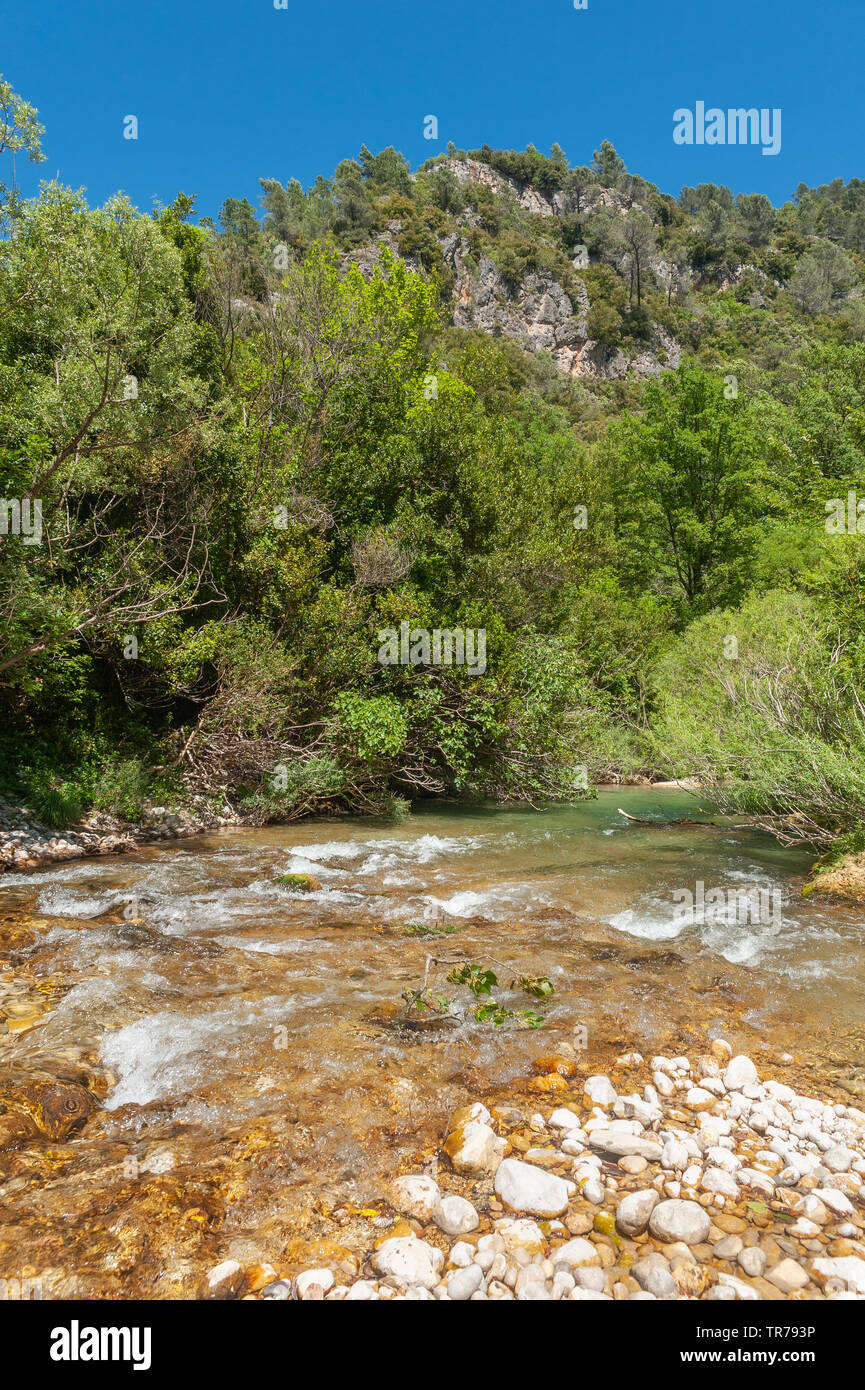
760,703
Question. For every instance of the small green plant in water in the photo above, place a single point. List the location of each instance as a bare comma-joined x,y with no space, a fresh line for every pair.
426,929
479,981
536,985
437,1003
483,982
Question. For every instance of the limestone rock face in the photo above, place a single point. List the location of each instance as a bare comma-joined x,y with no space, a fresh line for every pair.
538,313
541,317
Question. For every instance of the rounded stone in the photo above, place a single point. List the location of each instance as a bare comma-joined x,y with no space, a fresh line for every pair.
464,1282
417,1196
677,1219
456,1216
740,1071
634,1210
523,1187
409,1260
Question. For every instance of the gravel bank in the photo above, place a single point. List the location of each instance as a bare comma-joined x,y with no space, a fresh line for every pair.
674,1178
25,843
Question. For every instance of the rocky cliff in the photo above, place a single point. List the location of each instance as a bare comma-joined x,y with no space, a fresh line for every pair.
537,312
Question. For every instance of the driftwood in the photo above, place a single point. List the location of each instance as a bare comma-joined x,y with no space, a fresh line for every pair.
664,824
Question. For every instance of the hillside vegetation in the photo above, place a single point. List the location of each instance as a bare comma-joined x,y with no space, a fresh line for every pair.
614,430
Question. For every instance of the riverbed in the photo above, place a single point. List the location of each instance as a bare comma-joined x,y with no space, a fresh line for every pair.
252,1050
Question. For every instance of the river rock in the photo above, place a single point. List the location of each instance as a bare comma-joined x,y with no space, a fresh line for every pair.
598,1090
474,1148
836,1201
814,1210
838,1159
787,1276
633,1164
456,1216
618,1143
313,1278
634,1210
417,1196
746,1292
522,1235
677,1219
663,1083
409,1260
523,1187
279,1291
698,1098
849,1268
577,1254
752,1260
464,1282
740,1071
674,1156
224,1281
466,1113
564,1119
803,1229
728,1248
361,1292
462,1255
717,1180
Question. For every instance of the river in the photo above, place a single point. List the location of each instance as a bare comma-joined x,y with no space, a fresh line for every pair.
251,1049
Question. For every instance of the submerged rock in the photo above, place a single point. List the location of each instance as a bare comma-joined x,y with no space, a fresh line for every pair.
55,1108
299,883
474,1148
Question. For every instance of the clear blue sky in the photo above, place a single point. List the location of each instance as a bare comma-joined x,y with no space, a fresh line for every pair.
226,91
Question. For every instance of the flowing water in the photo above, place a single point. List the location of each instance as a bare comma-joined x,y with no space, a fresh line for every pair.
252,1047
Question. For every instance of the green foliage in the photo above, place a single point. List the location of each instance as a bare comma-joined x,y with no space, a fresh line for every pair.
481,983
372,730
531,167
258,445
120,789
20,131
57,806
698,496
773,724
478,981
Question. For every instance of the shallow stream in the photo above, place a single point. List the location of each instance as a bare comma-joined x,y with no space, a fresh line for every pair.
251,1048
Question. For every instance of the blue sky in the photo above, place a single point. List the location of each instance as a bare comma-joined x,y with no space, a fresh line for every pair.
226,91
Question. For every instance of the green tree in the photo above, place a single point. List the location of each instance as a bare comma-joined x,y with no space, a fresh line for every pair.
691,495
98,372
608,166
20,129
